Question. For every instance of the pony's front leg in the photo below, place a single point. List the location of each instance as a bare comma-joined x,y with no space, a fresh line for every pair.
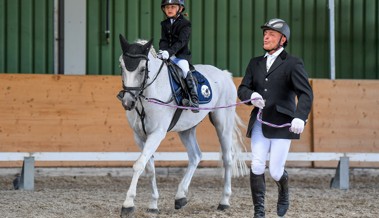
151,145
150,173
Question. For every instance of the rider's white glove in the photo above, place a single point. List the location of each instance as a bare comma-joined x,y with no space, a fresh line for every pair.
257,100
297,126
163,54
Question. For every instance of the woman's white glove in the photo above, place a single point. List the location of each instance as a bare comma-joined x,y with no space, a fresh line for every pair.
297,126
163,54
257,100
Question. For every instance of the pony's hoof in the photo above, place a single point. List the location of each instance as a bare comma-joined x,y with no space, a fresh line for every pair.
179,203
223,207
153,211
127,212
16,183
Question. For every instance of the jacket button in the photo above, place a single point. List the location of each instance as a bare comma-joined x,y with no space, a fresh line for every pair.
266,79
265,90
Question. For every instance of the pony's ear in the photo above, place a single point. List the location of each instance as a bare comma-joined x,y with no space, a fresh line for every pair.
124,43
148,45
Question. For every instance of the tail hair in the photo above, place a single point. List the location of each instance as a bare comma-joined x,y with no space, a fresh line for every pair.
239,165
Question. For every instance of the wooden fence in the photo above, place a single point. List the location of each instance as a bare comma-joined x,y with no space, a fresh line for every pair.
54,113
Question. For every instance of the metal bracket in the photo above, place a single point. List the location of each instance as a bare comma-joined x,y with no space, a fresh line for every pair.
341,179
27,174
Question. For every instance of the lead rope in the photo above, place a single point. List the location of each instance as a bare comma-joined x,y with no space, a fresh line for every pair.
259,115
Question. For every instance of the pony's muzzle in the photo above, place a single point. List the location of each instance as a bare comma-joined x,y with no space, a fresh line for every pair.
129,107
128,104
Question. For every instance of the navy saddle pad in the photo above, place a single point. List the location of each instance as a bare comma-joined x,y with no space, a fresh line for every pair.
204,89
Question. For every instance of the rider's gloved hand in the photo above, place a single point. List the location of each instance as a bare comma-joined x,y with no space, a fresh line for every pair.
163,54
297,126
257,100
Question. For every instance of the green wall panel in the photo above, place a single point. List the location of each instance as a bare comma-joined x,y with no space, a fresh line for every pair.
2,35
209,54
225,33
106,55
26,57
12,46
93,37
370,24
26,36
222,34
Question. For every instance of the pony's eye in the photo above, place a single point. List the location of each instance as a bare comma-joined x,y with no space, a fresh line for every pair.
142,70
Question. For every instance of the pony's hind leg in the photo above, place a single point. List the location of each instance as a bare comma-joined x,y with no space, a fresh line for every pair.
223,120
188,138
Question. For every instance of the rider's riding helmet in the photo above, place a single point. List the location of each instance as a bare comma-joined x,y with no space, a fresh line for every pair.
278,25
173,2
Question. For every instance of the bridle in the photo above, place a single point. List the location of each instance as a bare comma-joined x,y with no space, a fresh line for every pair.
137,91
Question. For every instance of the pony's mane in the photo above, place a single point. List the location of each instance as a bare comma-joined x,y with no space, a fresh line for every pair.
152,49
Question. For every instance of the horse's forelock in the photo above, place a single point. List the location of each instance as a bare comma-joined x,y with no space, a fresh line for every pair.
141,41
152,49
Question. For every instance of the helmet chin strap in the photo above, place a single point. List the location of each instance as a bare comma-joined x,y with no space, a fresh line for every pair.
277,47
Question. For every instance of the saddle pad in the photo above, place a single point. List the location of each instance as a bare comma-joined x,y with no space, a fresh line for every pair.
204,89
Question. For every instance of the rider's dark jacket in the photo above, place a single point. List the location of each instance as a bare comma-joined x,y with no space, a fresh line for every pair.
284,83
175,37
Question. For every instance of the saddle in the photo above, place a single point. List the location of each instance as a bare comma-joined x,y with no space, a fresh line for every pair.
179,88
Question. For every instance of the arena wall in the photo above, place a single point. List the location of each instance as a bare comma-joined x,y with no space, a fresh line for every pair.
82,113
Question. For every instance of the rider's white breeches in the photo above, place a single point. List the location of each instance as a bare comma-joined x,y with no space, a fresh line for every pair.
183,64
262,146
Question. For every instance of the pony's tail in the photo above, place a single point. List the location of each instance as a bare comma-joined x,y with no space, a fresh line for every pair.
239,167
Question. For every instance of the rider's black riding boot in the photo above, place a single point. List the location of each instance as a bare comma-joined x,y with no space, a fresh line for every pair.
283,195
258,190
193,101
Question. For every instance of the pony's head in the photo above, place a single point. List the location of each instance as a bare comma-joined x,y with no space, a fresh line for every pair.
134,70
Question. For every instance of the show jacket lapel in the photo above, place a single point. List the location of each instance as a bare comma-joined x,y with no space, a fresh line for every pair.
262,64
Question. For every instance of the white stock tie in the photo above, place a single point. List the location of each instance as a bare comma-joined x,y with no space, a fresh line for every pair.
270,60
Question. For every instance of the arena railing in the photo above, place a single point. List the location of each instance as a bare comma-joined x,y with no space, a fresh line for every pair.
25,180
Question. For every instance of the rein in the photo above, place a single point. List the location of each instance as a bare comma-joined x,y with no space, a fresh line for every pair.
259,115
143,86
